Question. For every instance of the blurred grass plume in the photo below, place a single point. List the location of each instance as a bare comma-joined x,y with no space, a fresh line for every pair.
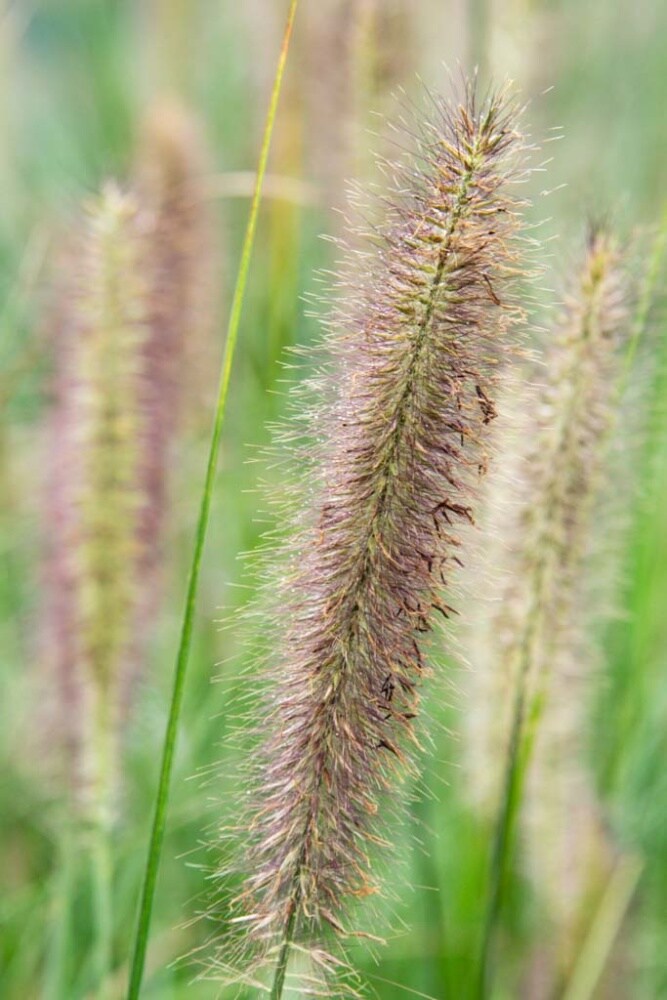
95,499
534,659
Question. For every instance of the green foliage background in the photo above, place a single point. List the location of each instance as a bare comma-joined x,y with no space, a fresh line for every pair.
75,78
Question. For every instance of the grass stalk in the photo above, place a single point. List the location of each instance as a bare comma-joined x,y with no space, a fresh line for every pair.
54,986
524,719
102,907
604,929
100,848
185,643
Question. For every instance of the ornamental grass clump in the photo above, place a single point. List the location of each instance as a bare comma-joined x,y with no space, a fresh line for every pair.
396,443
533,658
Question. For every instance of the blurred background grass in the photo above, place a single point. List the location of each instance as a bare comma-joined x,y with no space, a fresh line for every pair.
76,78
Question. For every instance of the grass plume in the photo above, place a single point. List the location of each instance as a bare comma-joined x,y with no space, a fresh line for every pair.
178,252
95,485
395,449
94,509
534,656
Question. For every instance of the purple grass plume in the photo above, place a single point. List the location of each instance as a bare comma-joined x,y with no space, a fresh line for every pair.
396,443
569,844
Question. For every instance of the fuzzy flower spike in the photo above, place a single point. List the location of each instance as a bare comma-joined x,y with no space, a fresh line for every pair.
394,457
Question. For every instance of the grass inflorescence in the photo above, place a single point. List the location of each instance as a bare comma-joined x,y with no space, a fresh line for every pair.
95,489
398,440
529,693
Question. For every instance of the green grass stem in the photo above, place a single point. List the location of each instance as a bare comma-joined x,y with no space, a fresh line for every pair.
100,842
283,955
646,294
102,895
604,930
525,715
54,983
171,733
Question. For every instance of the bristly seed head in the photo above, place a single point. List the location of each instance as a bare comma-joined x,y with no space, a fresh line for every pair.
395,449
